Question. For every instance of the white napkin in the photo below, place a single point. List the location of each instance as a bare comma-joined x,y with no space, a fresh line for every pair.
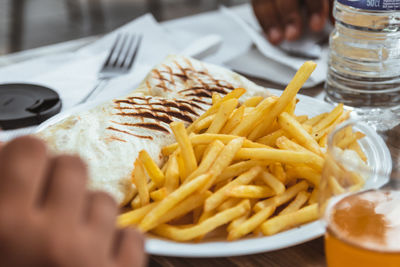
73,75
185,30
275,63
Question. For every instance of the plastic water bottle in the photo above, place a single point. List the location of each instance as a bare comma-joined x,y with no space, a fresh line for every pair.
364,60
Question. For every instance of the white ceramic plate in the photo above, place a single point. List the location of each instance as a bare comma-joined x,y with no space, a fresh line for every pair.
378,157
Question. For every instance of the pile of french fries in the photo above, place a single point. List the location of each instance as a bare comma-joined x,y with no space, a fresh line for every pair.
253,168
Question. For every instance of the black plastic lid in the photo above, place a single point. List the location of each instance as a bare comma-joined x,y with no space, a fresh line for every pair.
23,105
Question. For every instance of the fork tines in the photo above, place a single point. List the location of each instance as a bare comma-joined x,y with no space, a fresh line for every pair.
123,52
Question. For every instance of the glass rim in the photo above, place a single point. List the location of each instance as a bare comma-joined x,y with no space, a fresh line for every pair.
372,135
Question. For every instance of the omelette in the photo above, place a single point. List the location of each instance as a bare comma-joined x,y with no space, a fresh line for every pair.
110,136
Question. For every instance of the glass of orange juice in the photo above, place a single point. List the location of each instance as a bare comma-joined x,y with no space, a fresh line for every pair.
362,225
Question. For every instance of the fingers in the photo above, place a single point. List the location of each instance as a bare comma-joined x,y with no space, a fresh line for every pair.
268,17
23,164
283,19
125,246
330,12
318,11
289,11
130,249
64,195
101,219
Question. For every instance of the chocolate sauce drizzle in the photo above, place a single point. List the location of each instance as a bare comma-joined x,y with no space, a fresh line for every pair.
199,87
129,133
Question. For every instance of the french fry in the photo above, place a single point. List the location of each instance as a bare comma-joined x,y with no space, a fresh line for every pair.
297,203
199,153
219,185
314,196
156,175
323,141
229,203
134,216
197,213
136,203
221,195
234,120
223,114
283,222
252,223
204,216
307,128
291,107
225,138
216,98
295,129
236,222
223,160
250,191
307,173
150,221
239,168
204,123
190,203
284,156
207,138
139,178
318,135
211,153
186,147
278,171
270,139
356,147
302,119
345,143
172,174
356,187
189,233
329,118
248,110
341,134
159,194
335,187
278,200
236,93
314,120
174,182
255,117
284,143
273,182
288,95
253,101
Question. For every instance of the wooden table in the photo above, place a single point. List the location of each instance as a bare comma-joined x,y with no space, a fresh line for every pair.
307,254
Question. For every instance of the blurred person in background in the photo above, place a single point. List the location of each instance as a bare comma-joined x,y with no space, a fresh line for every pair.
49,218
286,19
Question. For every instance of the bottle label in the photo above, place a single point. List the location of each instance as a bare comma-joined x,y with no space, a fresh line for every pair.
372,4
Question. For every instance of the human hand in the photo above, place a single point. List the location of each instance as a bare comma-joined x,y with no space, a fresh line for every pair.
284,19
48,218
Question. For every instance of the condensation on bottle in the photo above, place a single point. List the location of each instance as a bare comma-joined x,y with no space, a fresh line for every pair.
364,60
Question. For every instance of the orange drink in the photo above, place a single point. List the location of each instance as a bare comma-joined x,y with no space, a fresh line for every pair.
364,230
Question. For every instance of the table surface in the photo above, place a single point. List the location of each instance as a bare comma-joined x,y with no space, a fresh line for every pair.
308,254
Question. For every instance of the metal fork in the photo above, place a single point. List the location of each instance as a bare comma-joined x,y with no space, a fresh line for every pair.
119,61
